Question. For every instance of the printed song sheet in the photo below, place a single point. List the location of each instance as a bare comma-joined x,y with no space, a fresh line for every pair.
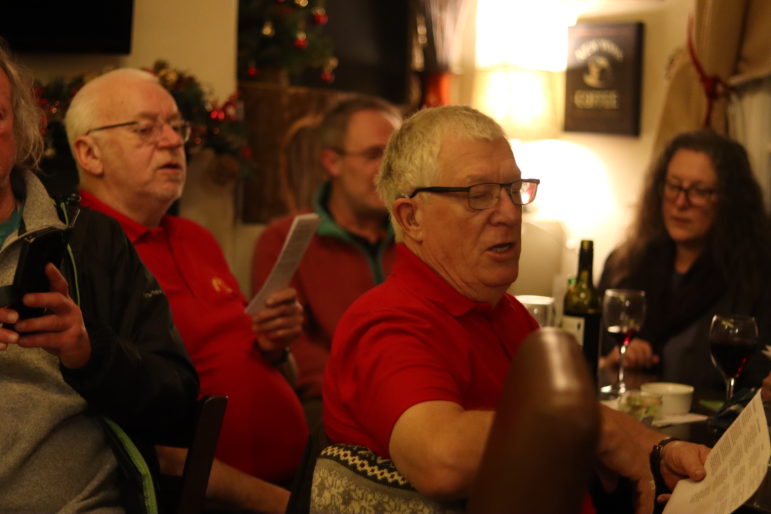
297,241
735,467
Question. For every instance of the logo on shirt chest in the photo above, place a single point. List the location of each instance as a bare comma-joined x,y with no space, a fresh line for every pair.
220,286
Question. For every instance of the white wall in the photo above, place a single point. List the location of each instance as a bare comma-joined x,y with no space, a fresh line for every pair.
626,159
591,182
196,36
199,36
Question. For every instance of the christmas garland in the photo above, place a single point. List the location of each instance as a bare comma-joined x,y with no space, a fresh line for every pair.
213,125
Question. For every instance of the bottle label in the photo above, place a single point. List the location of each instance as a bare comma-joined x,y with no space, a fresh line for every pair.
575,325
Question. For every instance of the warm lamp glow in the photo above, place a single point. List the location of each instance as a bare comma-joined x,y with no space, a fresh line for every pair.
520,58
524,33
527,103
574,185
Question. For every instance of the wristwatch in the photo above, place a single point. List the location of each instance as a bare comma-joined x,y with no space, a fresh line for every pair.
655,462
277,361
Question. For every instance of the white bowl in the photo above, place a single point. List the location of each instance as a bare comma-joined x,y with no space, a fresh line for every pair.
676,398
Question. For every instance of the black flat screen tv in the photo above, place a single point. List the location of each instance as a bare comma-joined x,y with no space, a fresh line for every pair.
78,26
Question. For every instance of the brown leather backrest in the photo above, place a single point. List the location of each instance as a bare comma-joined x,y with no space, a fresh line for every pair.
542,446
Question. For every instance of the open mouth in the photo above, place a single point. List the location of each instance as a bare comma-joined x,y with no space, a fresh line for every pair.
501,248
175,166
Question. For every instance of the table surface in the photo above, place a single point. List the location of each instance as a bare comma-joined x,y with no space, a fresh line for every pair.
701,432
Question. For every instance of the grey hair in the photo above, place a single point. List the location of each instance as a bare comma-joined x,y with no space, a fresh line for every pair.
410,158
27,116
335,122
84,108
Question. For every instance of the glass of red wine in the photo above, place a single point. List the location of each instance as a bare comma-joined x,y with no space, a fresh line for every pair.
732,339
623,312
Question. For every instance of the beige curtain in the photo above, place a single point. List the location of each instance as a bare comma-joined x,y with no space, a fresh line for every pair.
732,42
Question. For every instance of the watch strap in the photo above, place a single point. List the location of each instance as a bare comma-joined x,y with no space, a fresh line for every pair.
655,463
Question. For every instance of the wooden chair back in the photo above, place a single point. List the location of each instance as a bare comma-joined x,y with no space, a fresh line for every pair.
542,446
200,455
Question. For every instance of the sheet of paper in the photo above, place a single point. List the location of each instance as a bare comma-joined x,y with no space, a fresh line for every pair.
297,241
735,467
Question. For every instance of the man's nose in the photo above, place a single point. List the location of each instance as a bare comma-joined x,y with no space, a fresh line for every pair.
507,207
169,137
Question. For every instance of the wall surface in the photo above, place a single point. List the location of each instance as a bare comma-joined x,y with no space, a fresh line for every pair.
197,36
624,158
591,182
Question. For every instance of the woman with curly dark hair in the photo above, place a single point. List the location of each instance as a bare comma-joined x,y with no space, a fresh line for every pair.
701,244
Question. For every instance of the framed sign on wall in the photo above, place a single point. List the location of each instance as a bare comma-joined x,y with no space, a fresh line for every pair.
602,88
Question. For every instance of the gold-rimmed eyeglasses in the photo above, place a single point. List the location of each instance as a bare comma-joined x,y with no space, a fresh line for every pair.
150,131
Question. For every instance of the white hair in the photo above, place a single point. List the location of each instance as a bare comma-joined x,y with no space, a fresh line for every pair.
410,158
84,108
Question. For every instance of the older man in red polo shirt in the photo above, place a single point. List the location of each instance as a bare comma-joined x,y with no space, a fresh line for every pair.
127,136
418,363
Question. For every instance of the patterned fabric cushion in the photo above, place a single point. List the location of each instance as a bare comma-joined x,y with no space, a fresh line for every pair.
352,479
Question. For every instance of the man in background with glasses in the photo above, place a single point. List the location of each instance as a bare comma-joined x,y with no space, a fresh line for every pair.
127,137
418,363
353,247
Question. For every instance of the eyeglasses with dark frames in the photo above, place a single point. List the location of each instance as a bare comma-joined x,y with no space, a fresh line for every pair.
150,131
486,195
694,195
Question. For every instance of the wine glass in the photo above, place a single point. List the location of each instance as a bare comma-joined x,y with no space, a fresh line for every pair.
623,312
732,339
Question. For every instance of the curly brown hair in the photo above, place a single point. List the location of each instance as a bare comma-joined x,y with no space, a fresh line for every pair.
740,238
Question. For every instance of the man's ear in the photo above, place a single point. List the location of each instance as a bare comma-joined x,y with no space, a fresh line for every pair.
330,160
88,155
407,213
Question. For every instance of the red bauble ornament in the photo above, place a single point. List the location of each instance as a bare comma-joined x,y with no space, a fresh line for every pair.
301,41
320,16
327,76
251,71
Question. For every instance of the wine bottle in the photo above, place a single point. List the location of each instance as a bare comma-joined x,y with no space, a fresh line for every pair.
581,308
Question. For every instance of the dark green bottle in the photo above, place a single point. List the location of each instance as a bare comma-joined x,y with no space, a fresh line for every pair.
581,308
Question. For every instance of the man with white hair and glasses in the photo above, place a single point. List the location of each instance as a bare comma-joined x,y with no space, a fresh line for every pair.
127,136
418,363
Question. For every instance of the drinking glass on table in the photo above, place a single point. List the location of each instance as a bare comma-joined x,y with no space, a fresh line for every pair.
623,312
732,339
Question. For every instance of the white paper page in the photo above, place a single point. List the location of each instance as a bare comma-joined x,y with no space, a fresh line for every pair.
735,467
295,244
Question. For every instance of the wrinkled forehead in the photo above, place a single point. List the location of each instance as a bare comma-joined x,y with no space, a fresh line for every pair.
467,161
135,100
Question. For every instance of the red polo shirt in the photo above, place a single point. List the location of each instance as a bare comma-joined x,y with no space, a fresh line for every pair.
264,430
415,339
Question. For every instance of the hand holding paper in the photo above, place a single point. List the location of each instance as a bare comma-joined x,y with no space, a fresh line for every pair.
297,241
